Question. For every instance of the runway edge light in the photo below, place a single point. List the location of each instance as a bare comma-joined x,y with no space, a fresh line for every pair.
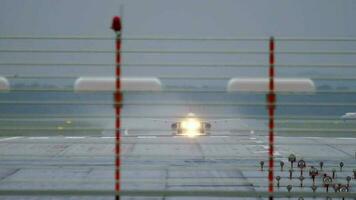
261,85
83,84
4,84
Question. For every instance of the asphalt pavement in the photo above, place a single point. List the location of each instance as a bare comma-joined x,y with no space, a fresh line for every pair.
168,163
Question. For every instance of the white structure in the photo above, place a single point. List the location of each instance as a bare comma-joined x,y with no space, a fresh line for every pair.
262,85
108,84
4,84
349,116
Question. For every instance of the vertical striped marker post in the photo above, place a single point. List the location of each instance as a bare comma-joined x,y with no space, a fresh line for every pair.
271,101
116,26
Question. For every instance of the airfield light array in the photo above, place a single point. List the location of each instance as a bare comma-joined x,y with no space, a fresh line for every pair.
279,174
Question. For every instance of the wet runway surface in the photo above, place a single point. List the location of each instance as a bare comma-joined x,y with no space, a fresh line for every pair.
149,163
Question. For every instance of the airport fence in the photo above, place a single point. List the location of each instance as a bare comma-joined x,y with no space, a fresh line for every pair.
265,99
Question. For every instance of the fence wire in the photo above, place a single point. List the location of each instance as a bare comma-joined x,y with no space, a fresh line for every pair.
228,160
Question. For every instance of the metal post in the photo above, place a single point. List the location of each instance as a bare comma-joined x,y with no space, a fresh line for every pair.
271,100
116,26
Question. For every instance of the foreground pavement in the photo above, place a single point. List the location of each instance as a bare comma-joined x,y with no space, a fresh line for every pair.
211,163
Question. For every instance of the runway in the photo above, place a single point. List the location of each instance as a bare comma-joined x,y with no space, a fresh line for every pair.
209,163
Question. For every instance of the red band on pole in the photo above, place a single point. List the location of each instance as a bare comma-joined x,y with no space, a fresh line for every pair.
271,44
116,26
271,100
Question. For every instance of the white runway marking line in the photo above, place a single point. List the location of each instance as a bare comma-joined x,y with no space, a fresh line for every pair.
312,137
252,138
10,138
146,137
74,137
341,138
218,136
37,138
259,141
276,153
107,137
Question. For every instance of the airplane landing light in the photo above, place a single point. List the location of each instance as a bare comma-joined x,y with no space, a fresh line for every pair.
191,127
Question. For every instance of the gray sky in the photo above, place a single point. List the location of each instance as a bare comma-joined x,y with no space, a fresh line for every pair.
183,18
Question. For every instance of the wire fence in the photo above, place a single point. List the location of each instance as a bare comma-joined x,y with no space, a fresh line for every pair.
228,159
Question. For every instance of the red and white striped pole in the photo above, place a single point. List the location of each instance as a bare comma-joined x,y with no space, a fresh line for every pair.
116,26
271,101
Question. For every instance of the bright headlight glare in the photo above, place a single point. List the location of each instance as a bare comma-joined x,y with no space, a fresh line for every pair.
191,125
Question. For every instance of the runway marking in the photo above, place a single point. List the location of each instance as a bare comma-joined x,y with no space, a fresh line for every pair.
107,137
276,153
265,146
260,151
312,137
145,137
286,137
259,141
38,138
74,137
252,138
219,136
10,138
338,138
344,138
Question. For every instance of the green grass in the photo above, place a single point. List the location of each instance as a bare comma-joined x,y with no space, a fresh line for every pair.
324,128
54,128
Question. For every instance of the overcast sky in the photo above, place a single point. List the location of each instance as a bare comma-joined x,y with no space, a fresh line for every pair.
181,18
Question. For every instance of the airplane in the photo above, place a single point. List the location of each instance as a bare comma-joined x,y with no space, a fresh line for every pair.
349,116
192,126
